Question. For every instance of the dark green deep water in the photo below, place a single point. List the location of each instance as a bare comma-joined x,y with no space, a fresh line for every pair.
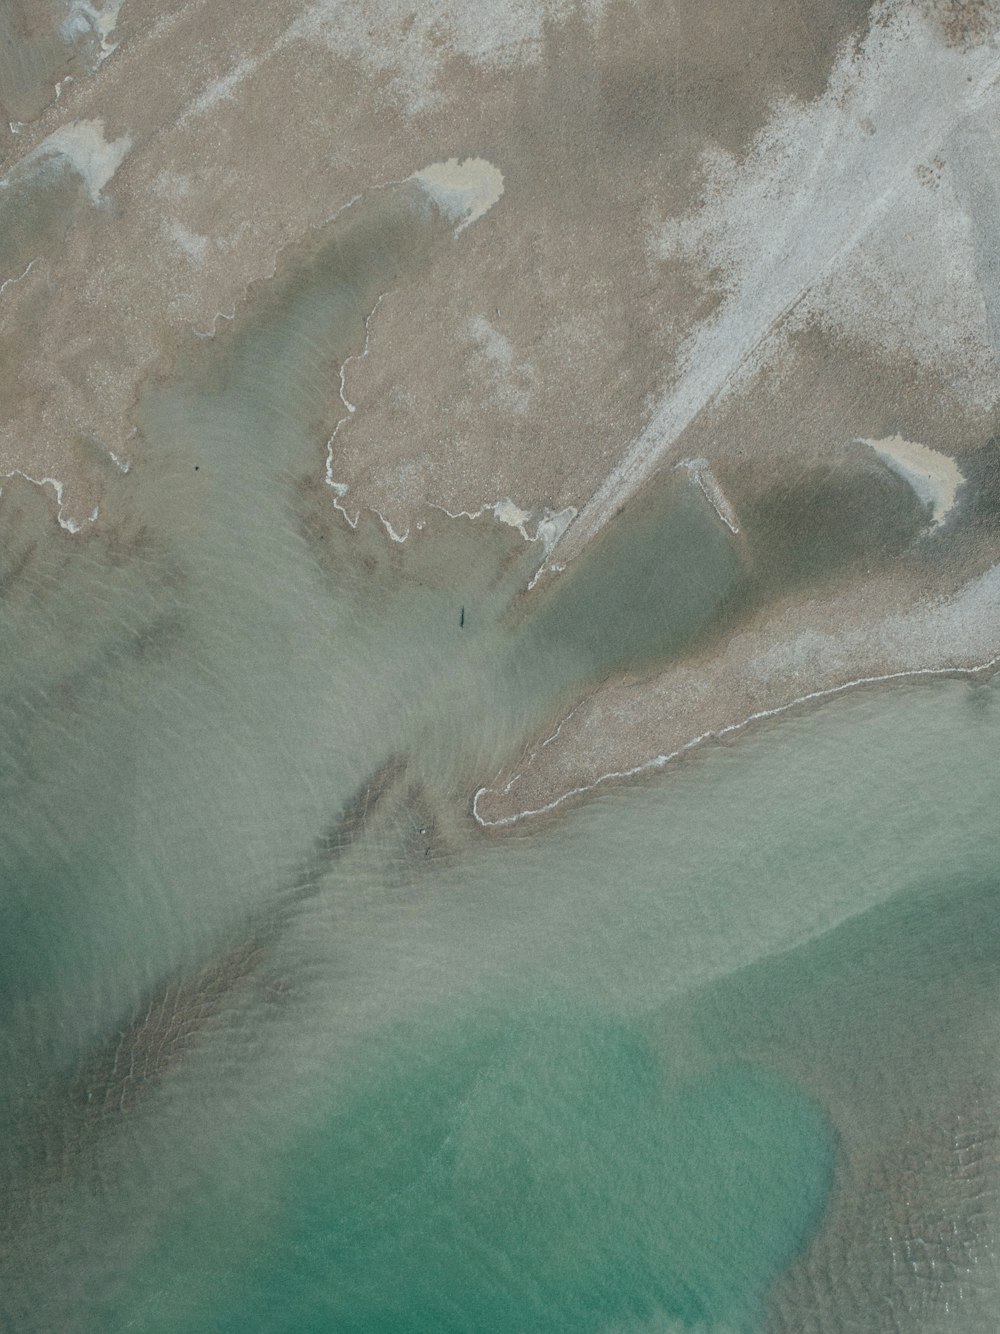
288,1045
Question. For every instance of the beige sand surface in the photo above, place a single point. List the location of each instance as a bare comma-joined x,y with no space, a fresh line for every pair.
718,236
935,477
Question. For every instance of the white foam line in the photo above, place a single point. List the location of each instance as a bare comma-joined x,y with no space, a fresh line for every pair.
340,489
661,761
461,514
9,282
219,315
70,525
396,537
342,208
700,471
508,785
547,526
726,347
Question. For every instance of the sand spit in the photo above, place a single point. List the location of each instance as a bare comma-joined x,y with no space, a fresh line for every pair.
808,653
934,477
716,734
682,257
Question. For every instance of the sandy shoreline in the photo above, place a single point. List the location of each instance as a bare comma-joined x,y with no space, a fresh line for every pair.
496,799
800,655
655,253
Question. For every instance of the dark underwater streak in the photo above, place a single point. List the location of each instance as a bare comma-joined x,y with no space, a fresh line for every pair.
123,1071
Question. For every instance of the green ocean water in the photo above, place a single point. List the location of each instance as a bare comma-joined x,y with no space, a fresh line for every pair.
289,1044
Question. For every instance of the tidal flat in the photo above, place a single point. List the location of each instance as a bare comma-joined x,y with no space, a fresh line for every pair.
498,712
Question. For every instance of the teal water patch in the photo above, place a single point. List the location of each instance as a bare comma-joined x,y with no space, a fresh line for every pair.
542,1173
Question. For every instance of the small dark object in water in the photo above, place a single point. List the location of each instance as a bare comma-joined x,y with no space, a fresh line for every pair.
461,618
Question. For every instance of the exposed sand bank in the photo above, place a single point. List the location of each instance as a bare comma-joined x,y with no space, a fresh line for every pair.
707,238
806,653
934,477
463,191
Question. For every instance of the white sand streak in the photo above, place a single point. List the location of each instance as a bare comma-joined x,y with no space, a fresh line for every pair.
817,181
700,472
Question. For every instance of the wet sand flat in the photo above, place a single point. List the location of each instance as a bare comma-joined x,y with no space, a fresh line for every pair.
499,614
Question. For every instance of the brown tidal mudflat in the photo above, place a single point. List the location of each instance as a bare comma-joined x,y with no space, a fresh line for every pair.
737,235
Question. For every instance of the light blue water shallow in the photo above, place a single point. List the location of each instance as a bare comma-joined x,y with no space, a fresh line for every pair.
512,1172
290,1045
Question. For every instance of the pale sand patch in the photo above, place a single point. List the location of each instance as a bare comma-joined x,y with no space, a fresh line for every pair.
934,476
463,191
507,381
85,18
411,43
88,152
549,527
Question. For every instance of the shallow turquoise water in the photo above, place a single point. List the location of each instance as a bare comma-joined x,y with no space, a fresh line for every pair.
290,1045
542,1173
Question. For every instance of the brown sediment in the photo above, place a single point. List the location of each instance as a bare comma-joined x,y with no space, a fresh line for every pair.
530,355
843,578
215,186
835,590
625,732
966,23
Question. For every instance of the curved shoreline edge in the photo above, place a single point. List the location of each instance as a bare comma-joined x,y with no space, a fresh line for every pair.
713,734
